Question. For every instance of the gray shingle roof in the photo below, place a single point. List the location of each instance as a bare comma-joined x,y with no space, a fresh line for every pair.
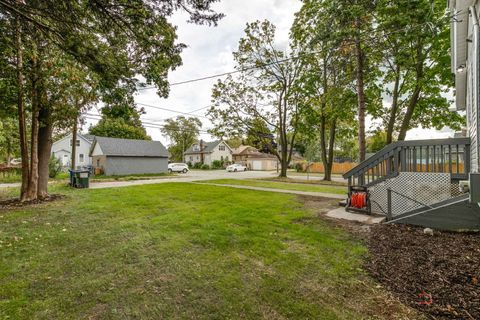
130,147
89,137
207,147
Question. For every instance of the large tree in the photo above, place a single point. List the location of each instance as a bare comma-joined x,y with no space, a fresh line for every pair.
182,132
268,92
416,79
327,79
117,40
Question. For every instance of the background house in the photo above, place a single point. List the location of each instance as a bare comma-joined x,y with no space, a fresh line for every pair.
207,152
128,156
254,159
62,150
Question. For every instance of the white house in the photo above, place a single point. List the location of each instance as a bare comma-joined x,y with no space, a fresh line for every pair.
465,44
207,152
62,150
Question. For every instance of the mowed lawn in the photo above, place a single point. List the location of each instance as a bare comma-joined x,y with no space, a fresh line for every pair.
307,187
180,251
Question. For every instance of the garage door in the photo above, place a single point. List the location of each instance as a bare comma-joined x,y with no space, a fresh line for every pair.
257,165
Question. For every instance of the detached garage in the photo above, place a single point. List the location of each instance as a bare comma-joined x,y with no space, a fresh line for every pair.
115,156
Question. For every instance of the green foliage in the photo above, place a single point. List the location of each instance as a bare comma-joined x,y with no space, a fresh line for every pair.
205,167
182,132
197,165
376,141
117,128
217,164
54,167
269,92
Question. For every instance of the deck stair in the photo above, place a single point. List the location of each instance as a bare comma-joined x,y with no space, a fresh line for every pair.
408,179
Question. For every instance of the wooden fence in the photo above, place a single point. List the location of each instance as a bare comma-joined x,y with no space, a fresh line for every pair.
338,168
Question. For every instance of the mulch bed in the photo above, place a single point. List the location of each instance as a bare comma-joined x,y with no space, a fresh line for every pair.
437,274
16,203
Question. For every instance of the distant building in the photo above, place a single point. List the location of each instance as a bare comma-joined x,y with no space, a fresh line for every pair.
115,156
62,150
254,159
207,152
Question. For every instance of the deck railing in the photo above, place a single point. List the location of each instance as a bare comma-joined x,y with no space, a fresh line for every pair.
436,155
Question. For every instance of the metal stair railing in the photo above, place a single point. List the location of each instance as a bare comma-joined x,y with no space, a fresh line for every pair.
436,155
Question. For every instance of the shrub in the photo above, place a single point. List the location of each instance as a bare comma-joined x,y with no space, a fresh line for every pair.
189,164
197,165
205,167
299,167
54,166
217,164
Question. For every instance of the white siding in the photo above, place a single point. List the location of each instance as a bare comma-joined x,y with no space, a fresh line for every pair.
62,147
218,154
97,151
473,95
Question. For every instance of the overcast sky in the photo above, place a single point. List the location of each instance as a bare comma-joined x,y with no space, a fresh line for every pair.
209,51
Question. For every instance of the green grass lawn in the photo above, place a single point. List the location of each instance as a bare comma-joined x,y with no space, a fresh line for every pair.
177,251
64,176
309,187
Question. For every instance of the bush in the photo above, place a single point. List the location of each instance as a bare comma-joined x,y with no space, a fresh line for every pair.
299,167
205,167
189,164
197,165
217,164
54,166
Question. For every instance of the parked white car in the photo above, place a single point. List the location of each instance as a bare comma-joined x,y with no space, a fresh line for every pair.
177,167
236,167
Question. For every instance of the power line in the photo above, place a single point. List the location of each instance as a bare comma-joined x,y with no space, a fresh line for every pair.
171,110
144,123
218,75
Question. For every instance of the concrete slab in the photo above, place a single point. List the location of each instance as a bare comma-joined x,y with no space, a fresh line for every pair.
340,213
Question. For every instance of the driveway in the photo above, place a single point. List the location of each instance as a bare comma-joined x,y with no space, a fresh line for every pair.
195,175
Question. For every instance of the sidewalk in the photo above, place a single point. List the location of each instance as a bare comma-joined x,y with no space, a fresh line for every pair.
303,193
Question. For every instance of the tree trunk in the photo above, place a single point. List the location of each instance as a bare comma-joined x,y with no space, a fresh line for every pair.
323,148
394,108
44,150
74,145
33,176
331,144
412,104
22,127
360,99
408,114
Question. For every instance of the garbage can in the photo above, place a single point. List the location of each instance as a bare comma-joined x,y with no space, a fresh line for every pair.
83,179
79,178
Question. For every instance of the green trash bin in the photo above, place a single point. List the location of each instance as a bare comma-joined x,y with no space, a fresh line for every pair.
81,179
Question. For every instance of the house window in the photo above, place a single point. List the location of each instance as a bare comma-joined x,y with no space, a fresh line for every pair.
221,147
77,143
196,147
191,158
81,158
98,162
198,158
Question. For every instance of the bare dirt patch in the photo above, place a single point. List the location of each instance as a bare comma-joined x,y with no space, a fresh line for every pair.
16,203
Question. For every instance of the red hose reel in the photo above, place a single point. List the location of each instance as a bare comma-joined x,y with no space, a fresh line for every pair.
358,199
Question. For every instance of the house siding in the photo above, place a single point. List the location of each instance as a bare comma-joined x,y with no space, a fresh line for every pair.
101,163
219,155
60,147
209,157
472,95
134,165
